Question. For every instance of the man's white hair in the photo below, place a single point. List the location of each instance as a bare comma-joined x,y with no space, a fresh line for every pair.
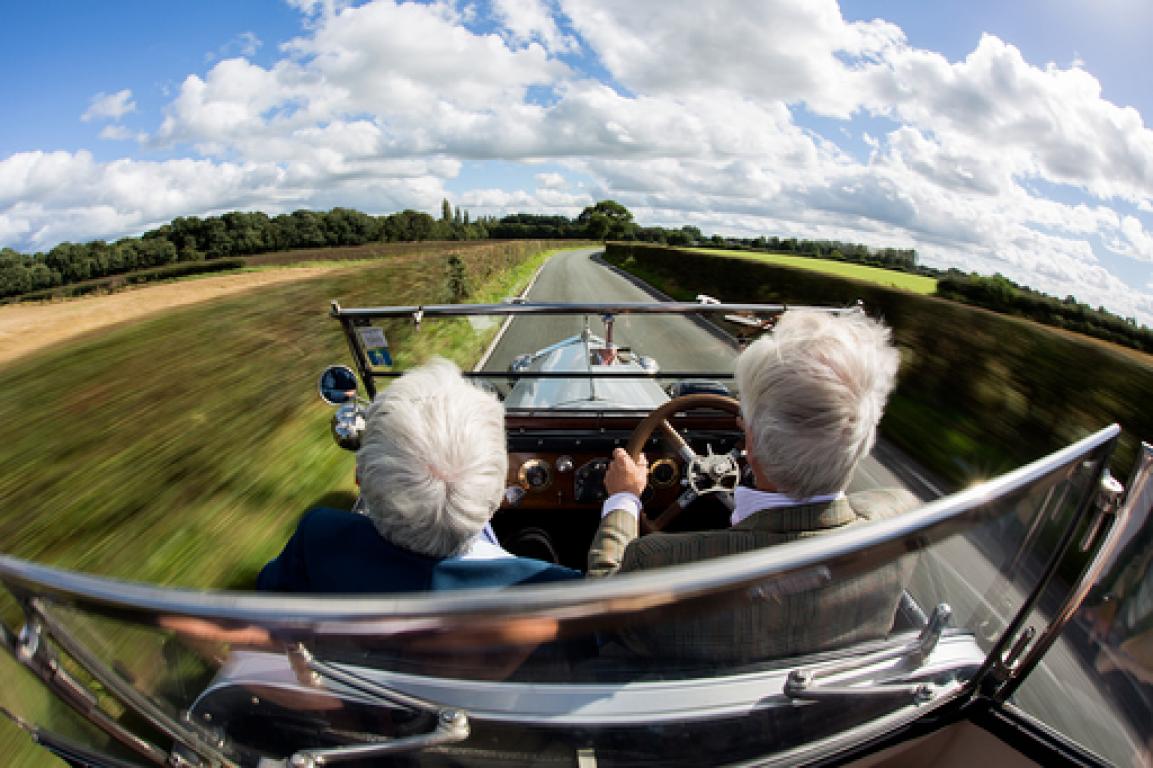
812,393
432,460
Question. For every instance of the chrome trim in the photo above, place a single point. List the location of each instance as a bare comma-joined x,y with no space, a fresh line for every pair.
35,656
593,599
1138,504
1130,518
666,462
550,308
157,718
802,681
624,703
451,727
528,466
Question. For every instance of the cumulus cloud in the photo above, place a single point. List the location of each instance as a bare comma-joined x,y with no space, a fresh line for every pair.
498,202
117,133
109,106
695,113
527,21
244,44
1050,123
551,181
50,197
777,50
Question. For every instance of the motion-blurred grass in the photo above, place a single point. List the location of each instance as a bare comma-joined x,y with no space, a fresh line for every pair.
903,280
182,449
978,394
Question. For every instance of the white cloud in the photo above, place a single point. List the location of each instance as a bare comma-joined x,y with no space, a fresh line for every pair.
109,106
244,44
117,133
551,181
1049,123
50,197
775,50
990,162
1131,239
498,202
528,21
321,8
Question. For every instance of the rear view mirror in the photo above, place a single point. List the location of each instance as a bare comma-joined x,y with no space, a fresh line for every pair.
337,384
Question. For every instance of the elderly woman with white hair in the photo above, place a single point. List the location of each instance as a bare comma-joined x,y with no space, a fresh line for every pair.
812,393
432,467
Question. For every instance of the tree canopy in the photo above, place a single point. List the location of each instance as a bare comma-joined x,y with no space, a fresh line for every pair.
239,233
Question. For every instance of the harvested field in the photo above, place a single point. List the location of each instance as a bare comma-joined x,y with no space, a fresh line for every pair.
27,328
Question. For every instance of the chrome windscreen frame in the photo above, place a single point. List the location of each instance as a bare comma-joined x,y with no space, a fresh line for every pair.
352,318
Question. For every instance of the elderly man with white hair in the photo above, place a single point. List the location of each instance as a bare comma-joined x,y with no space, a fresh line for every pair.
812,393
432,467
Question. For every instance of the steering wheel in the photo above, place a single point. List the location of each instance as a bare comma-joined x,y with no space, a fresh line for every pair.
716,474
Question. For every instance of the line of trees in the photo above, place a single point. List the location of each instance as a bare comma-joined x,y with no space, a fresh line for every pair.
237,234
1001,294
899,259
192,239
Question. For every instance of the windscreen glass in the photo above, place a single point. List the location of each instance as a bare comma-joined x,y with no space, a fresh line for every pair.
793,650
620,361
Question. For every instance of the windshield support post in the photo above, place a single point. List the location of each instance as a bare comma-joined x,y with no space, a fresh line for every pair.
1118,514
32,650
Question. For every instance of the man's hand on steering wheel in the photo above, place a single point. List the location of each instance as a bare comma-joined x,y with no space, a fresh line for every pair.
625,475
716,475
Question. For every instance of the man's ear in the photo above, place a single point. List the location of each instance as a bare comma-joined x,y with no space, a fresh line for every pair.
758,476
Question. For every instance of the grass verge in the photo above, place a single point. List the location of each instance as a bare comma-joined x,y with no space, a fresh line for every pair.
887,277
182,449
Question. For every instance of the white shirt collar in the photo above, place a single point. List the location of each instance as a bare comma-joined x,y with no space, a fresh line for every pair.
747,501
485,546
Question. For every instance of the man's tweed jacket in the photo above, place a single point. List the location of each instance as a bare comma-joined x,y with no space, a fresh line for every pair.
771,622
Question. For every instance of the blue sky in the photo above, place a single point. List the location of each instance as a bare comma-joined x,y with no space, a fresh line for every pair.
990,136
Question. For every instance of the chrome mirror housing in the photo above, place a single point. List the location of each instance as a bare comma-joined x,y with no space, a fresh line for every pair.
648,364
347,426
519,364
337,384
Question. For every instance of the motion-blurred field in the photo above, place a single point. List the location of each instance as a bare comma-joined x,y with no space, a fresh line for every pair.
903,280
978,394
182,449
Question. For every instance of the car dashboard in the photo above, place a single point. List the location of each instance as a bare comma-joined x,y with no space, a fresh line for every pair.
557,464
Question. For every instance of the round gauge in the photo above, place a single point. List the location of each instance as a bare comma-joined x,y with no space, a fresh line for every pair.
663,473
534,475
589,482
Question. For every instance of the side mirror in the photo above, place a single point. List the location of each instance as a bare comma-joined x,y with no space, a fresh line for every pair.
337,384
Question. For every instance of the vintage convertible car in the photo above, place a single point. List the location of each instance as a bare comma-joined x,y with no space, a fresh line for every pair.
976,662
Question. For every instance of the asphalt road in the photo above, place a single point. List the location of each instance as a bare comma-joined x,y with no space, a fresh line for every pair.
677,343
1062,691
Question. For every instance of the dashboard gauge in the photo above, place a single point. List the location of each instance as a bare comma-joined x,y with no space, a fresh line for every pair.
564,464
589,482
535,475
663,473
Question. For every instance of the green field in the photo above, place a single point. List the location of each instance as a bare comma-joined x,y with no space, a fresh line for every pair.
903,280
182,450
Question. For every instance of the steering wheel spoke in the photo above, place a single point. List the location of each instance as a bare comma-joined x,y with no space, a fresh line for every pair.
683,449
708,475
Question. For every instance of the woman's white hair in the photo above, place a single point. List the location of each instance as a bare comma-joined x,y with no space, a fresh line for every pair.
432,460
812,393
